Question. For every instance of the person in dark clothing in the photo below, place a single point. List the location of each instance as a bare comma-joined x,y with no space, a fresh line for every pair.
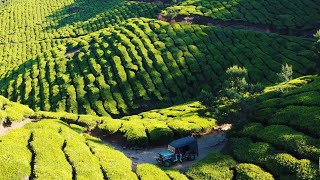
178,153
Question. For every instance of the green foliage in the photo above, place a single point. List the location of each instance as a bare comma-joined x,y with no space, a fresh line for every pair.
134,132
84,163
286,73
232,101
272,13
110,126
15,156
174,174
135,71
150,172
89,121
295,142
13,112
50,161
251,172
214,166
113,163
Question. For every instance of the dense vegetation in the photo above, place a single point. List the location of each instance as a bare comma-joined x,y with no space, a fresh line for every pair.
145,63
281,140
52,149
283,16
13,112
108,68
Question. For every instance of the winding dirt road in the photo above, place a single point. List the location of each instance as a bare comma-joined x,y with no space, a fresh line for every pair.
207,144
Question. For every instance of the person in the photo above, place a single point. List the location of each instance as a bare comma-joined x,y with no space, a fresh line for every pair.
178,153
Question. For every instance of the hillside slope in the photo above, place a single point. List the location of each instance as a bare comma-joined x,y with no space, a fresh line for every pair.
144,64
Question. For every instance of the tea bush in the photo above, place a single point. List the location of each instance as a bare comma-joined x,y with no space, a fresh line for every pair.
152,172
251,171
214,166
134,73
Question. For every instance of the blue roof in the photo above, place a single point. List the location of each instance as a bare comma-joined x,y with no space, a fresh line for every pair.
183,141
166,153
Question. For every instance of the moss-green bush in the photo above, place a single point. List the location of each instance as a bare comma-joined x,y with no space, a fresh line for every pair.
110,126
214,166
251,172
151,172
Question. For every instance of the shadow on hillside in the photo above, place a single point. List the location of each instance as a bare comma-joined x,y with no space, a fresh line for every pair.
84,16
80,11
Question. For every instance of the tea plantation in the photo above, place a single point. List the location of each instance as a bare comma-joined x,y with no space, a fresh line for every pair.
282,16
144,63
90,72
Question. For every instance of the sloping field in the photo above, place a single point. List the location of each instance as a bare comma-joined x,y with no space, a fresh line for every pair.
282,16
51,149
108,69
146,64
282,141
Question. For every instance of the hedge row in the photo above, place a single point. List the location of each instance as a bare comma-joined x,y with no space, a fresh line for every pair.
251,172
84,164
13,112
29,24
151,172
214,166
15,157
143,64
286,138
114,164
266,156
50,161
279,14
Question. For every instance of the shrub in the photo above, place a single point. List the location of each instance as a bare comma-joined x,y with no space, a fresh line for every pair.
251,172
182,128
110,126
88,121
134,132
214,166
114,164
151,172
174,174
84,163
50,161
283,164
158,132
286,73
295,142
15,156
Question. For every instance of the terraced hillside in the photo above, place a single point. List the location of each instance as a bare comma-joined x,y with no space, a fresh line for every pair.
30,27
281,16
145,63
13,112
155,127
51,149
110,69
282,140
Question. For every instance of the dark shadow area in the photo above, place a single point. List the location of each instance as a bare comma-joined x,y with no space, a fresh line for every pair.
89,16
275,16
82,10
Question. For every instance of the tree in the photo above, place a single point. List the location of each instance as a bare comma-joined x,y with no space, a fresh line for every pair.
286,73
232,101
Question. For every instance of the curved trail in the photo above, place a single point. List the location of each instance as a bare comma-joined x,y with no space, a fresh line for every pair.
14,125
207,144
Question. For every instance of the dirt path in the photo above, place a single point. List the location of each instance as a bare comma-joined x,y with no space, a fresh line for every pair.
201,20
207,144
14,125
